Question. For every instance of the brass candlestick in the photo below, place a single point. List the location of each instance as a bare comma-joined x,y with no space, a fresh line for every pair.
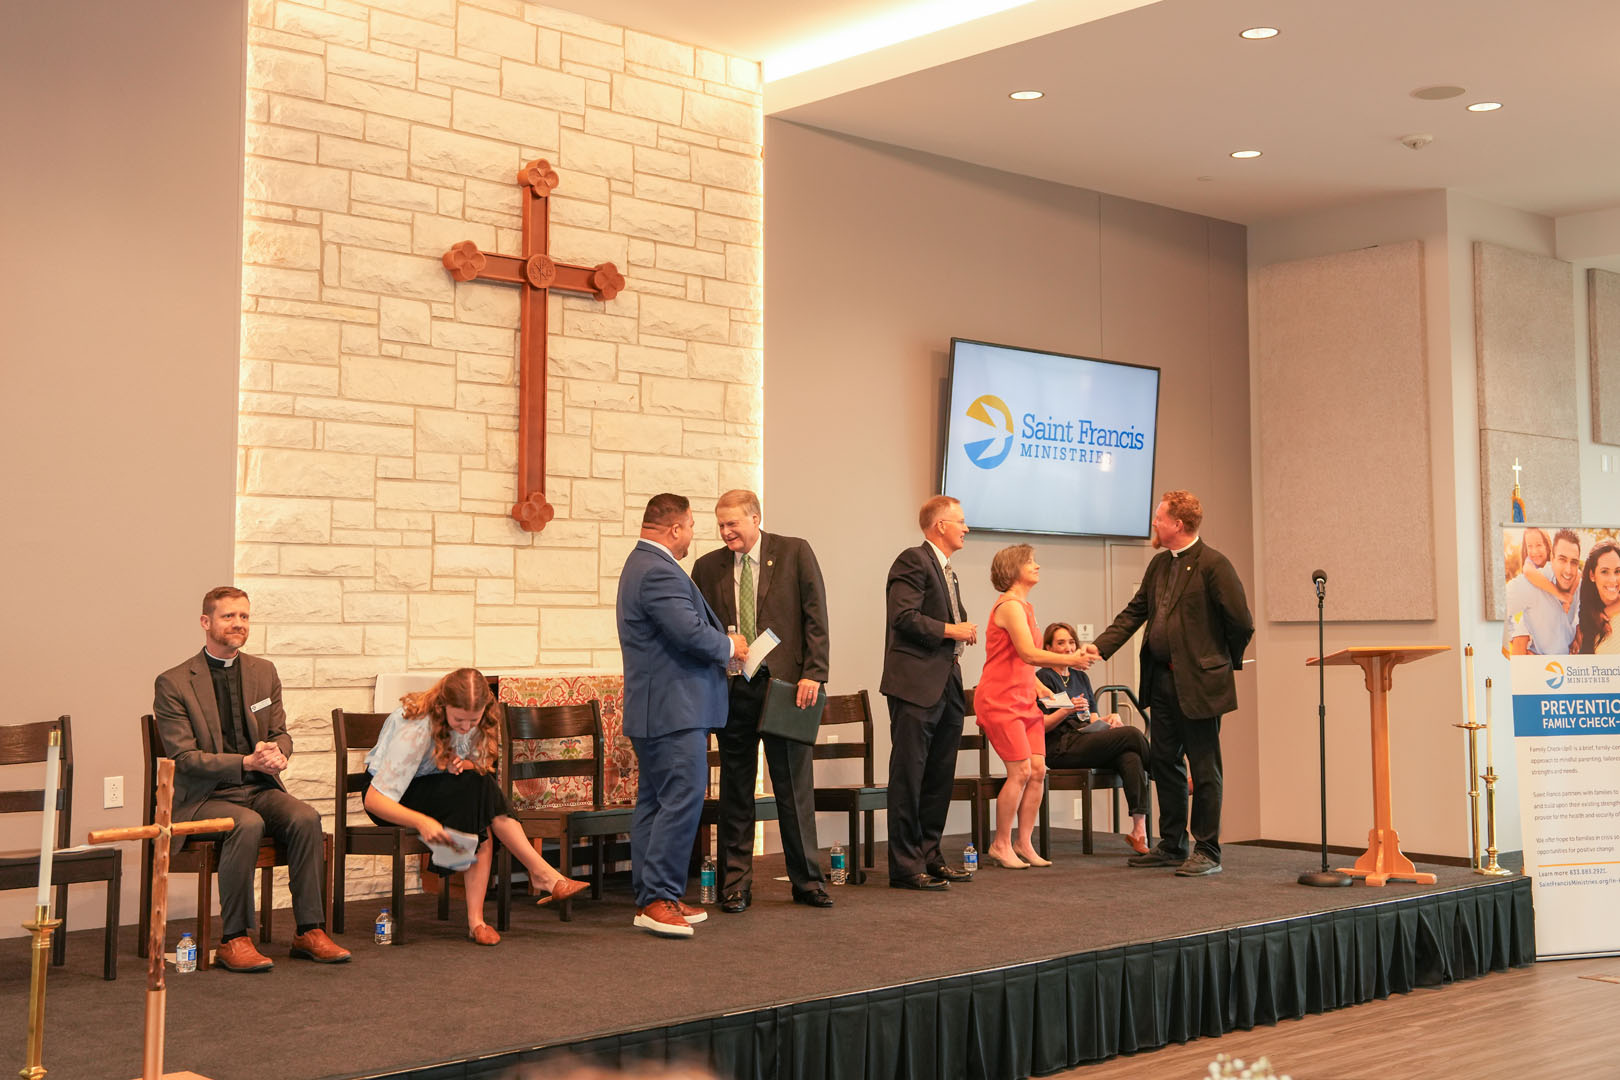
1491,868
42,928
1473,788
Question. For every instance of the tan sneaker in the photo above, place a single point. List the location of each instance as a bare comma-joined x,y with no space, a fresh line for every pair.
663,917
238,954
693,915
317,946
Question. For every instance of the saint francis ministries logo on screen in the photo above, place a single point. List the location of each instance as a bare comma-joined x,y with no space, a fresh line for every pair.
991,437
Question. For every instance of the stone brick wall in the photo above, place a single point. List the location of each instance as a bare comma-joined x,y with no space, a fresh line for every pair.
379,396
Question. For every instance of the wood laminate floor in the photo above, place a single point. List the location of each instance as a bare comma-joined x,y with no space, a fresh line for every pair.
1542,1020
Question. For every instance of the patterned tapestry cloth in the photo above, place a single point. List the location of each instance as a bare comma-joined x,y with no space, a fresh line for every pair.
619,766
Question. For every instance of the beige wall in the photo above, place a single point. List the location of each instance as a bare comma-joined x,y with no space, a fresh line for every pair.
121,213
875,258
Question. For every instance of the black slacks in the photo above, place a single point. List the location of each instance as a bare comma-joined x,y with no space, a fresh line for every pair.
1198,738
1123,749
922,767
790,765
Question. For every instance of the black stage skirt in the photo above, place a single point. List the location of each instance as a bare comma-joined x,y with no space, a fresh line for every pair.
467,802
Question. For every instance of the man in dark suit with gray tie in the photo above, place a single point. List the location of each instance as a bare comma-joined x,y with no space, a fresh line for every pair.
220,718
675,656
763,581
1198,624
927,630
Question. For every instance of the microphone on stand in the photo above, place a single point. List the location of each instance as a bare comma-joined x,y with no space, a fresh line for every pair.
1324,878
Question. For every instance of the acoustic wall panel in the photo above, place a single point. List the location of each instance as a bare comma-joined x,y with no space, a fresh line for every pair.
1345,477
1603,319
1524,330
1524,335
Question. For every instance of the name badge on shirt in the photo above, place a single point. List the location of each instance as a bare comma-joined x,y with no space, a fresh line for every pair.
257,705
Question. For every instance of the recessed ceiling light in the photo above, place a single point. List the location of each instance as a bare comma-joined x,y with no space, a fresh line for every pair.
1026,95
1437,93
1485,106
1259,33
1245,153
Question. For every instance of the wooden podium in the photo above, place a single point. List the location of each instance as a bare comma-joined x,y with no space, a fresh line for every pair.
1383,859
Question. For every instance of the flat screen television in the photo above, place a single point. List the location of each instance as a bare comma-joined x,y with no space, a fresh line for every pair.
1042,442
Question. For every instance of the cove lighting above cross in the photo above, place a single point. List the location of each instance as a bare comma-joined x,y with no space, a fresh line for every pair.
536,274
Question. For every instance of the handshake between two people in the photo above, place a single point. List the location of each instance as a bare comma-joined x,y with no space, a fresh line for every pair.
1083,657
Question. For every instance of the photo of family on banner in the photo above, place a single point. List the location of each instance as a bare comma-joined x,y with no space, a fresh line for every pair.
1562,634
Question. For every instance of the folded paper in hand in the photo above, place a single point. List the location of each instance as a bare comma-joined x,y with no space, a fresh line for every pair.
1059,700
758,650
460,853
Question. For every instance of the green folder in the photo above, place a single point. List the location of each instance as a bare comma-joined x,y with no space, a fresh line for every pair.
782,716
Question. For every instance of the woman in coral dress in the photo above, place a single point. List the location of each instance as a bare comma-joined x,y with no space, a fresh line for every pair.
1005,705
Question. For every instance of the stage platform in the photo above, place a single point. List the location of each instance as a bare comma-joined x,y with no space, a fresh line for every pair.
1018,973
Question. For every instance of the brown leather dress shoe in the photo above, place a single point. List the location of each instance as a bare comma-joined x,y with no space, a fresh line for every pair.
317,946
238,954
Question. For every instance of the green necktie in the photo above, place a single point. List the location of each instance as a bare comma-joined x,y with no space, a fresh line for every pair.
745,599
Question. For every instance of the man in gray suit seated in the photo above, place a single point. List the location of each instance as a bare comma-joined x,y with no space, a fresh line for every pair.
220,718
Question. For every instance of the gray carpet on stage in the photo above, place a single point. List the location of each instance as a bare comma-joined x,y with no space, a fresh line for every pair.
441,998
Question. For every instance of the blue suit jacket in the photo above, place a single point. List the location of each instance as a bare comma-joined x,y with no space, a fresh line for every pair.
674,649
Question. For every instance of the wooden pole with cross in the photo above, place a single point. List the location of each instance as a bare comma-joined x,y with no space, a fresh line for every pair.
536,274
161,829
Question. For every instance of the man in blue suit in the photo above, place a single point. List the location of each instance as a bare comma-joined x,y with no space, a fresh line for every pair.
675,655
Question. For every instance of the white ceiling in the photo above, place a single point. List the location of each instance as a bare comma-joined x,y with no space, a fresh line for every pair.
1144,102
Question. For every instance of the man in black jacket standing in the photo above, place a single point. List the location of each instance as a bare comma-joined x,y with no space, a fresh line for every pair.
922,680
763,581
1198,624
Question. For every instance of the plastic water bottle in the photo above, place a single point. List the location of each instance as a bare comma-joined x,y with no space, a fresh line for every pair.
734,666
383,932
185,955
840,864
706,889
970,859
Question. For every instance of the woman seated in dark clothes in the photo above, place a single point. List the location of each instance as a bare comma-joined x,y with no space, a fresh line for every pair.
433,770
1077,738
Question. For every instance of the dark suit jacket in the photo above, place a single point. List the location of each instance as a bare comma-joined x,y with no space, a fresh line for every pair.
917,656
1210,626
791,600
674,649
188,720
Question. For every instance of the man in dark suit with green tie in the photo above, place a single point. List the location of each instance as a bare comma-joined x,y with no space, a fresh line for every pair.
1198,624
764,581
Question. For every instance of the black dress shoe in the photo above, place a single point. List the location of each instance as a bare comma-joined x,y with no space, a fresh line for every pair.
735,903
918,881
948,873
814,897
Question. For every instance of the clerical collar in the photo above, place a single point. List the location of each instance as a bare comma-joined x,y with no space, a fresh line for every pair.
1180,551
214,661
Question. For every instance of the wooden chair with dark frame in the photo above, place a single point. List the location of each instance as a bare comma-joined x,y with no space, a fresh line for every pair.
545,723
200,856
855,800
358,731
980,790
1086,781
26,744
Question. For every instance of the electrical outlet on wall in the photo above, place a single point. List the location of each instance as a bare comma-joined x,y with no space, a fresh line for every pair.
1078,809
112,792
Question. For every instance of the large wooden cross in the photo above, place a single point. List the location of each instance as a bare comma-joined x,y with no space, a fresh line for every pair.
536,274
160,830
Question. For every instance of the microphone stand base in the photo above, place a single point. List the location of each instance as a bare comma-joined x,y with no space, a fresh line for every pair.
1326,879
